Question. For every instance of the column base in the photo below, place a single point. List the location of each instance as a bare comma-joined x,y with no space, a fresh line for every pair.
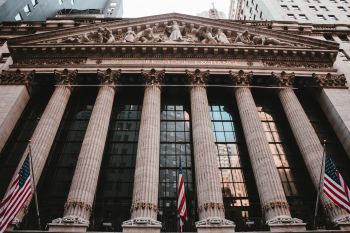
343,223
286,224
142,225
69,224
215,225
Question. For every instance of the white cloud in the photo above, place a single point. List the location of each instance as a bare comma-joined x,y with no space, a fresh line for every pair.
139,8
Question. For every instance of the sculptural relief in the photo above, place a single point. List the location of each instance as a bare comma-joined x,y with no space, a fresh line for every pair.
175,31
221,37
129,36
145,36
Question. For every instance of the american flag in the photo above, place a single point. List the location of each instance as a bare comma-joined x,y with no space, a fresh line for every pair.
181,201
334,186
16,196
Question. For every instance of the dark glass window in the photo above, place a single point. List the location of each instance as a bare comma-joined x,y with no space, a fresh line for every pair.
241,206
12,153
57,175
115,186
288,160
175,146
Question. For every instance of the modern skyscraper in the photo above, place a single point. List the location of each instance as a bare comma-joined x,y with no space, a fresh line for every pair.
31,10
303,11
213,13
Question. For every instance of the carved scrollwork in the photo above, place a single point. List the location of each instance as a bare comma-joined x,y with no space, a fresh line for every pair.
109,77
77,204
143,205
17,78
71,220
241,78
214,221
275,204
153,77
329,80
211,205
198,77
65,77
284,220
284,79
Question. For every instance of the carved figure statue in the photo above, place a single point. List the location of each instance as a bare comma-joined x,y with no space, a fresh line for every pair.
129,36
221,37
175,31
244,38
208,37
85,38
264,40
145,35
110,39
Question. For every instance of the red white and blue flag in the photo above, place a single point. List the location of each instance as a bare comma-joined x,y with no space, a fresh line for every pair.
334,186
181,200
16,197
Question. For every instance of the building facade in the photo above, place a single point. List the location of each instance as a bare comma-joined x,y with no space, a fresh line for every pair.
303,11
39,10
112,108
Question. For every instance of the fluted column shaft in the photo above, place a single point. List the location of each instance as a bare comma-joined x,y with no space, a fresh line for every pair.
309,145
82,191
209,194
45,133
272,197
145,194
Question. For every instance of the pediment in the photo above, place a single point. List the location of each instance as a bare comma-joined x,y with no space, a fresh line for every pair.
177,29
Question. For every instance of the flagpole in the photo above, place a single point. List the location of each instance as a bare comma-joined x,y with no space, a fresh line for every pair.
320,183
35,194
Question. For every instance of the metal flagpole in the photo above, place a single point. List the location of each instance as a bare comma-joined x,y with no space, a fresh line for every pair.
35,194
320,184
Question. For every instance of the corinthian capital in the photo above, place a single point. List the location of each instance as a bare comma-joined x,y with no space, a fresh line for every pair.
153,77
284,79
17,78
109,77
198,77
65,77
329,80
241,78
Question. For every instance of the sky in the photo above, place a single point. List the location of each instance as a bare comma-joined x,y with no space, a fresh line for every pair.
139,8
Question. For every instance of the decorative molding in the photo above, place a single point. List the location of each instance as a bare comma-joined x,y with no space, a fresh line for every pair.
17,78
211,205
153,77
142,222
329,80
49,61
143,205
241,78
275,204
215,222
65,77
283,79
198,78
298,64
343,220
71,220
77,204
109,77
284,220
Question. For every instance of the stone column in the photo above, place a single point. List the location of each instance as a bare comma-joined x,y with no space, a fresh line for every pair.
144,207
272,197
82,191
14,96
209,195
308,142
46,130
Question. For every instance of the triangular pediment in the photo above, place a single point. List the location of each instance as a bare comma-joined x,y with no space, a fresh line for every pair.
173,28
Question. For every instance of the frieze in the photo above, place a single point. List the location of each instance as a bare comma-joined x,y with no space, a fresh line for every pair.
109,77
153,77
329,80
49,61
241,78
299,64
173,32
197,78
17,78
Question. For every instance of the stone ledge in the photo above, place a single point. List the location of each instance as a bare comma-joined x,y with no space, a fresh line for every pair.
288,227
54,227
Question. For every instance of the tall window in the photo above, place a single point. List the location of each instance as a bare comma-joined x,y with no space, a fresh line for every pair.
115,186
175,146
237,180
58,173
296,184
